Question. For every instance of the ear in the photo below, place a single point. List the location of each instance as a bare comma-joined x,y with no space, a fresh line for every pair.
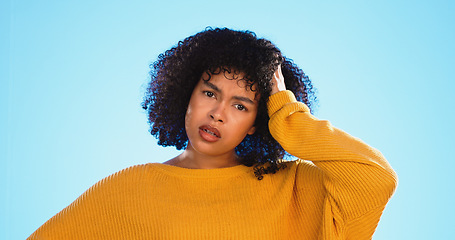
252,130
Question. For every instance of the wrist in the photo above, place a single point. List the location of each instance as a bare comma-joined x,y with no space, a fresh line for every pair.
278,88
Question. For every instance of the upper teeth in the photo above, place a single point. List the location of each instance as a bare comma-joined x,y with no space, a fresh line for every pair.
208,131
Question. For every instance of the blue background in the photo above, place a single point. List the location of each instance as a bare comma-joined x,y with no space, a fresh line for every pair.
73,74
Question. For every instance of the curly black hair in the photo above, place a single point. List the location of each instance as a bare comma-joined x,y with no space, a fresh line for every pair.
177,71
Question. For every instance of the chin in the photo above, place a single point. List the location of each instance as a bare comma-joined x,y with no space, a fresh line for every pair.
210,149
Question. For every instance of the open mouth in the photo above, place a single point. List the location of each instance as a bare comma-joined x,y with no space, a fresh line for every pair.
211,131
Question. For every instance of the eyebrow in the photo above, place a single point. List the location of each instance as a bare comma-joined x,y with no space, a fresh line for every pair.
240,98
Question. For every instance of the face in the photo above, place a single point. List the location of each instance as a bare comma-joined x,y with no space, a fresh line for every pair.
221,112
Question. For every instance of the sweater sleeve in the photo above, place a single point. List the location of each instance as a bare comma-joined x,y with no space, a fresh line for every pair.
357,179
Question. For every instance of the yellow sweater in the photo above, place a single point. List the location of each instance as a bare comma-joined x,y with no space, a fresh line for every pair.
338,192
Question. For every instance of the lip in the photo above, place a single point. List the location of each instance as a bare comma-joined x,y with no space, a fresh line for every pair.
209,133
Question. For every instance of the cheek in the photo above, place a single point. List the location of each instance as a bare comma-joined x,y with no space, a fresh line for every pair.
252,117
244,125
188,118
193,115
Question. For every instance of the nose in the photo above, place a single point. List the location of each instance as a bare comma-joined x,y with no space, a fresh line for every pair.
216,118
217,114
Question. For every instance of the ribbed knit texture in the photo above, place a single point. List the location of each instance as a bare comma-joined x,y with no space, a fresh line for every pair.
340,194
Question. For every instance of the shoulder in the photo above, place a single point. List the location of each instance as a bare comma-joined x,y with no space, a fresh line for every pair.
304,172
129,172
300,165
125,178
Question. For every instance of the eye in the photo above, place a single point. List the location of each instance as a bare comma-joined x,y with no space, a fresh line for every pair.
209,94
240,107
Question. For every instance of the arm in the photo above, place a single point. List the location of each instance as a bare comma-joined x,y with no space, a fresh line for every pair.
357,179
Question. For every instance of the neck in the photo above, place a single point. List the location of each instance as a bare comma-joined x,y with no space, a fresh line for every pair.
193,159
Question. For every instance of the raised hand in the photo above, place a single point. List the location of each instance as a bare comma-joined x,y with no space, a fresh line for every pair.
278,81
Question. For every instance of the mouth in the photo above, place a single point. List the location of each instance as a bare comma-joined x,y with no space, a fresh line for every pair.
210,130
209,133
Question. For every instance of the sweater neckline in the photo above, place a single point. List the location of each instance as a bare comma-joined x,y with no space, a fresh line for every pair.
202,173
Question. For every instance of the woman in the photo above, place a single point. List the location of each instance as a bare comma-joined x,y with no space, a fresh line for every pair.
237,107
